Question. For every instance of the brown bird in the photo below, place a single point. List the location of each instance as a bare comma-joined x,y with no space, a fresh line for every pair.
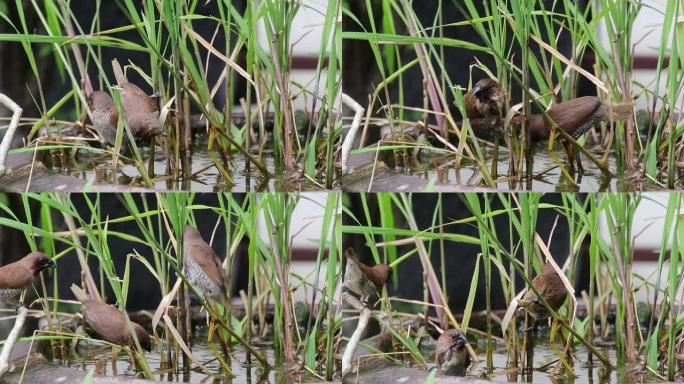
104,115
108,321
551,287
142,112
487,101
17,276
202,266
375,277
576,117
451,354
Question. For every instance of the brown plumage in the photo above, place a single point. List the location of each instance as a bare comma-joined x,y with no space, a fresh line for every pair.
142,112
487,100
202,266
576,117
551,287
451,354
104,115
17,276
375,277
108,321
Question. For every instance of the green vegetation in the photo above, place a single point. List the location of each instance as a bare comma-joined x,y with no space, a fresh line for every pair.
178,72
511,32
645,333
67,228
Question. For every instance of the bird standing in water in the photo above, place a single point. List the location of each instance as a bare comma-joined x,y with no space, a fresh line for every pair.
108,321
451,354
142,114
550,286
576,117
141,110
487,100
104,116
16,277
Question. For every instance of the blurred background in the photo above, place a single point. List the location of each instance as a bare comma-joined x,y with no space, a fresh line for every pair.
17,80
451,214
306,223
361,73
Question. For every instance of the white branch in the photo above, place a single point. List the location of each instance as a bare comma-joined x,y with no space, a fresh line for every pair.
14,123
364,317
351,135
12,339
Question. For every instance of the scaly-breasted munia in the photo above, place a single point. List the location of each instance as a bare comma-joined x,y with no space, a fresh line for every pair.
374,278
103,115
576,117
451,354
16,277
108,321
487,100
202,266
142,112
549,284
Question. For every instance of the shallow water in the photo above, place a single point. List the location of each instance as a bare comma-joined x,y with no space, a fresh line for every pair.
547,176
205,177
545,366
99,358
545,361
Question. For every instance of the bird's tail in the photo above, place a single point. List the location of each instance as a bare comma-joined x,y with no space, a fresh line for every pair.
622,110
118,72
79,293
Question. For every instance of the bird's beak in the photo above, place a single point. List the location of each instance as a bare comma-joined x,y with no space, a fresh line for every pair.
50,264
476,90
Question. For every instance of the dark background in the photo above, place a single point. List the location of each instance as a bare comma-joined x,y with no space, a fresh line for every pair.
459,258
144,292
18,82
360,72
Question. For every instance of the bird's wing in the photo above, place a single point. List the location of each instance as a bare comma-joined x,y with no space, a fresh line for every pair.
570,115
136,96
15,275
207,259
106,320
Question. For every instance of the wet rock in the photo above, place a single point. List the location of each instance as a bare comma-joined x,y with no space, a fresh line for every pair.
370,175
39,371
24,175
393,374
